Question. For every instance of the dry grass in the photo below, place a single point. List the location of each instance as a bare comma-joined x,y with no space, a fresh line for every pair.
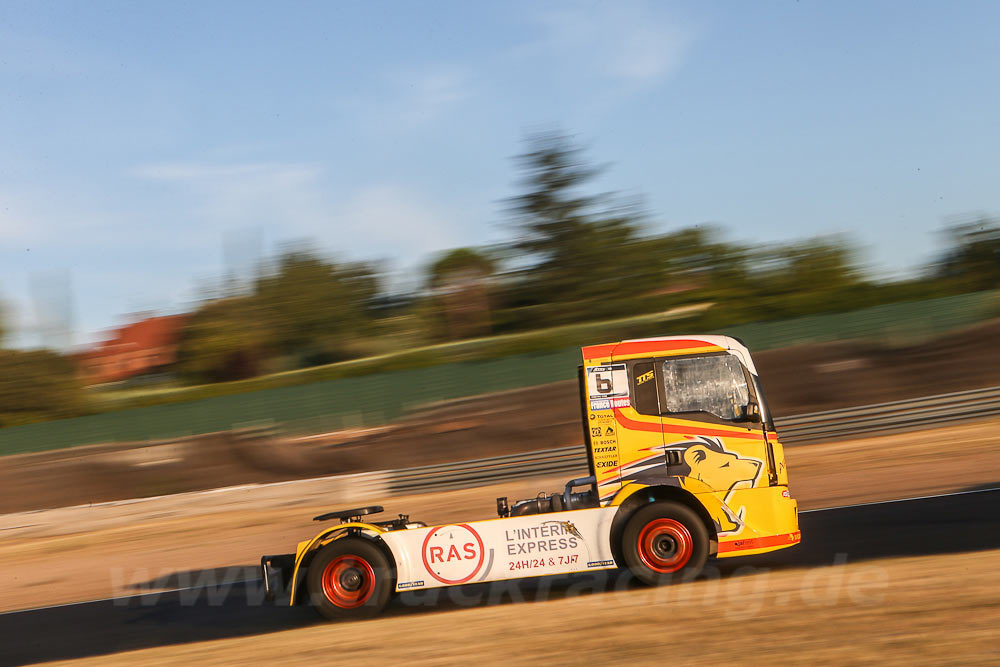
932,610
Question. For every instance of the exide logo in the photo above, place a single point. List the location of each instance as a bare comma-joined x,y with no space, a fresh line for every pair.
453,554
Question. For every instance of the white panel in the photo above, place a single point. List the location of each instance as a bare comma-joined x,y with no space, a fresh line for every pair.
497,549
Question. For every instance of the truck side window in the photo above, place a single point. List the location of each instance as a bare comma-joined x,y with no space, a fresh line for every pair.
644,388
715,385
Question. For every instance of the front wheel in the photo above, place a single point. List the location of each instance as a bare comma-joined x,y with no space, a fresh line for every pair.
349,578
665,541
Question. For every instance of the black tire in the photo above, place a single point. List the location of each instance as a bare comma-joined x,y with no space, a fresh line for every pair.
350,578
664,542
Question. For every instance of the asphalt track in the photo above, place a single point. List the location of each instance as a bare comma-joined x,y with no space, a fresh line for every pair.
968,521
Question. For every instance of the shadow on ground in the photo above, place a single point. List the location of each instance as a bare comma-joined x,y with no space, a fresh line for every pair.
224,606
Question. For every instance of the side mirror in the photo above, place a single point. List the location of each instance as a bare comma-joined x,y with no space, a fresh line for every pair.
751,413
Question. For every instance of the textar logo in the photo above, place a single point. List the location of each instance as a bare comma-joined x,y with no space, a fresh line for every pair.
453,554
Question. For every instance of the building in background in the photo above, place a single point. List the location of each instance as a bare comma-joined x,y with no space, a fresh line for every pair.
141,348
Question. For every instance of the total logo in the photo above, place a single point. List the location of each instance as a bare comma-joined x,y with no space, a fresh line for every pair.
453,554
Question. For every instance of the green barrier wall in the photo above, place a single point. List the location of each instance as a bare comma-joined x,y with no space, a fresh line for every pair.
379,398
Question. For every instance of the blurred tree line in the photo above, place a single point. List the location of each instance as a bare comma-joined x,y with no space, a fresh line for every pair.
305,311
574,255
36,385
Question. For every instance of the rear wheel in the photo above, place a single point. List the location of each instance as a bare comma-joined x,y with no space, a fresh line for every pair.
663,542
349,578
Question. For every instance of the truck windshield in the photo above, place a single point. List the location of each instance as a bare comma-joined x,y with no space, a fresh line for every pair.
715,385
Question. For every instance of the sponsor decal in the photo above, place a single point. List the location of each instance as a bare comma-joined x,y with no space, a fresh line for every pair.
760,542
545,545
409,584
607,387
547,537
601,563
453,554
644,378
610,403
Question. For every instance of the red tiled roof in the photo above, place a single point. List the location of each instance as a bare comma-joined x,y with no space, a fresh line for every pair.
155,334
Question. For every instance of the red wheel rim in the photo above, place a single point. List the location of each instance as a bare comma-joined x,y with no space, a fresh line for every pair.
665,545
348,581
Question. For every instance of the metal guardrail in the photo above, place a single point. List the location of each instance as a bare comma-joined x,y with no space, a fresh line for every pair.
880,418
884,418
477,472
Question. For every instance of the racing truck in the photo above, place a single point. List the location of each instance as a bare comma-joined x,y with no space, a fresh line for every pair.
684,464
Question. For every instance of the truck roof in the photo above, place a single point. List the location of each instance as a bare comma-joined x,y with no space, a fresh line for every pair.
669,345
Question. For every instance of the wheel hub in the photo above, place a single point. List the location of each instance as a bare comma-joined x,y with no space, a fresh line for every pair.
351,580
665,545
348,581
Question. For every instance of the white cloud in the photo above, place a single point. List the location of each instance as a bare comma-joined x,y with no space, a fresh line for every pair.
410,97
297,200
394,218
433,93
245,195
633,43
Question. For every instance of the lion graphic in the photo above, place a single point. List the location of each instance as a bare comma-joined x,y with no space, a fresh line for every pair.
703,459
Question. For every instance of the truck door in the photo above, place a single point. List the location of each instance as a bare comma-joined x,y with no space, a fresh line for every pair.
712,442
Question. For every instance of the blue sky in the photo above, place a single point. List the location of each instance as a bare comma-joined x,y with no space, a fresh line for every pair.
139,139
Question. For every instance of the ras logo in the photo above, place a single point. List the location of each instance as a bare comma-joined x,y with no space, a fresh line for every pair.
453,554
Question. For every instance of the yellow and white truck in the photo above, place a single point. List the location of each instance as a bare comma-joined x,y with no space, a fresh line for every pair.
684,464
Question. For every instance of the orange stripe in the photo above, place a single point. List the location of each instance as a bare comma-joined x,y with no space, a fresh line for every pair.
651,346
646,347
760,542
598,351
633,425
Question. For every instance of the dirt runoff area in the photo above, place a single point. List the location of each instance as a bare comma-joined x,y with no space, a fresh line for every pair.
925,610
160,543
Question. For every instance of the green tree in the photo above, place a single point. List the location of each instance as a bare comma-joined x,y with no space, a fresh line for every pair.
314,308
697,259
459,282
972,261
37,385
227,339
810,276
575,246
